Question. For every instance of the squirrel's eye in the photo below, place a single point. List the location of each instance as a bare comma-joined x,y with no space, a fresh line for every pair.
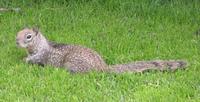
28,36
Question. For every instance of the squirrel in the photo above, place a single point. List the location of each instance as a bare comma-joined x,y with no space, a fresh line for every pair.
79,59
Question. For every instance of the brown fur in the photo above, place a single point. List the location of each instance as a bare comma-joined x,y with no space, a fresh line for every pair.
78,58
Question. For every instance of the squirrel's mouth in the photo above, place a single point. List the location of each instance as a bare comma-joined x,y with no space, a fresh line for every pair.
20,45
17,43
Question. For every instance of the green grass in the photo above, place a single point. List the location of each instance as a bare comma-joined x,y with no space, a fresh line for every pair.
121,31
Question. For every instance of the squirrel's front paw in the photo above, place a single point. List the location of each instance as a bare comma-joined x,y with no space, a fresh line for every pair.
26,59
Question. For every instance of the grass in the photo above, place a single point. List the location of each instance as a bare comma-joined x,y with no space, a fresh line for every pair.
121,31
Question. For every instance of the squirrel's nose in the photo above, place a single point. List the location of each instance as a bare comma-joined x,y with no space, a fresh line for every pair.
17,41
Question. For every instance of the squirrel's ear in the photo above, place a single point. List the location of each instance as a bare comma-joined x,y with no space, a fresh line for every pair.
36,30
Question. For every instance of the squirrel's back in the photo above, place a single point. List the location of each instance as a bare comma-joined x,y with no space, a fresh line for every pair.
78,58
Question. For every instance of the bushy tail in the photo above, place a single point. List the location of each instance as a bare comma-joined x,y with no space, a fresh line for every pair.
141,66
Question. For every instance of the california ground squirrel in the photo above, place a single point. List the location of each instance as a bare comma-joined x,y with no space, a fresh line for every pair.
78,58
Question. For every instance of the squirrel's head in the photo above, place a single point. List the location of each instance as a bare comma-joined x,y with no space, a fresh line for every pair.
26,37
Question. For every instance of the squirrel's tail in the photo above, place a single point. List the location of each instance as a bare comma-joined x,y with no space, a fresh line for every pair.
141,66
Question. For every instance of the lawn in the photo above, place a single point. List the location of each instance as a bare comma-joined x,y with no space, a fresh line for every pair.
121,31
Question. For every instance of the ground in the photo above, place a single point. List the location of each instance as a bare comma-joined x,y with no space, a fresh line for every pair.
121,31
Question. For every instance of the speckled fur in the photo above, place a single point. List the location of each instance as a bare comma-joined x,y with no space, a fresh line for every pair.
78,58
